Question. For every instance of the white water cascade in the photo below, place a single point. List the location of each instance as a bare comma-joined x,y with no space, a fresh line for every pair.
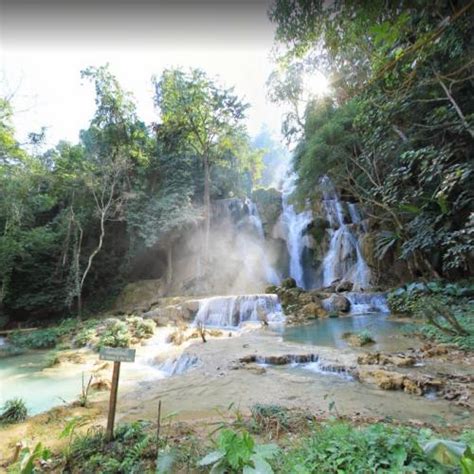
294,225
344,259
364,303
254,216
232,311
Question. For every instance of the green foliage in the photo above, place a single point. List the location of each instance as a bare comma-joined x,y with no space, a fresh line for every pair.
397,132
239,453
84,337
133,450
445,308
141,328
37,339
339,447
29,460
365,337
13,411
116,334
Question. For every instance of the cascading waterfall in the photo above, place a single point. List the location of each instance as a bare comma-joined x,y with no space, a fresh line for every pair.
232,311
179,365
344,259
363,303
294,225
239,221
254,216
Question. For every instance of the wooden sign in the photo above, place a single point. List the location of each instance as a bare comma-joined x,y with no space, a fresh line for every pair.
117,354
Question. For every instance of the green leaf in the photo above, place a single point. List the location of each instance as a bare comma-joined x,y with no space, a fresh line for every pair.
444,451
266,451
261,465
165,461
211,458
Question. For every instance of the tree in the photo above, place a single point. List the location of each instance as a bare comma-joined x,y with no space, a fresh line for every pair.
110,146
205,115
398,133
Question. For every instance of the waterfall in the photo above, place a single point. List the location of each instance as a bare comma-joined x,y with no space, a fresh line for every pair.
362,303
232,311
271,275
294,225
344,259
238,222
178,365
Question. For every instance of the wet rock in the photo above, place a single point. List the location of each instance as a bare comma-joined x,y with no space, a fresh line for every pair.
305,298
288,283
344,285
337,303
377,358
410,386
139,296
176,337
101,384
256,369
388,380
429,350
312,310
280,359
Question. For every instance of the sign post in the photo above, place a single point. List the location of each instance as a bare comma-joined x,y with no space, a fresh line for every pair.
117,355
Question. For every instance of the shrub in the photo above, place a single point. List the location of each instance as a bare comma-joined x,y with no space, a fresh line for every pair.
238,452
116,334
132,450
13,411
365,337
37,339
341,447
141,328
84,337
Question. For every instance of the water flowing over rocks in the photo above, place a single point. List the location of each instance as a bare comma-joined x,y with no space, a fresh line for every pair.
233,311
294,225
344,261
179,365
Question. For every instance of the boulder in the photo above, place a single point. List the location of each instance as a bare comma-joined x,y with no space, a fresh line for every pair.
337,303
387,380
305,298
139,296
410,386
101,384
312,310
344,285
288,283
377,358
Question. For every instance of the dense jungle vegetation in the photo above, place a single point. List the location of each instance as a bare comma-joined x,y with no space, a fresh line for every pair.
397,132
73,219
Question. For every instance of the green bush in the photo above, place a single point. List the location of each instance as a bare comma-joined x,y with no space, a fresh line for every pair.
141,328
132,450
339,447
465,342
13,411
37,339
365,337
238,452
84,337
116,334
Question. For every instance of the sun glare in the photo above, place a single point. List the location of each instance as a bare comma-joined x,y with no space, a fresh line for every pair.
316,85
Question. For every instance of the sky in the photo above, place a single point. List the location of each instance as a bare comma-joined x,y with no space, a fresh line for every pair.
44,45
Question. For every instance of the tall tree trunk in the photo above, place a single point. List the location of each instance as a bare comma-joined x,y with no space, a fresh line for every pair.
169,269
89,263
79,306
207,206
